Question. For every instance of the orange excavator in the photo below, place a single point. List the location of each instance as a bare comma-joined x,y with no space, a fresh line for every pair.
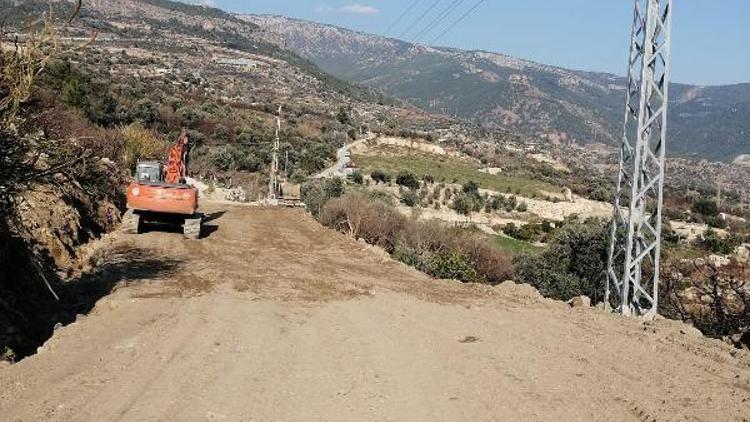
161,195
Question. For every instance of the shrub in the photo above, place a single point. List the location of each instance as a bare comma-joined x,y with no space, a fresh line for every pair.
532,232
360,216
410,198
316,193
333,188
144,110
714,299
471,187
452,265
141,144
431,247
713,242
496,203
462,204
232,158
706,207
343,116
357,178
573,265
407,179
716,222
220,133
601,194
379,176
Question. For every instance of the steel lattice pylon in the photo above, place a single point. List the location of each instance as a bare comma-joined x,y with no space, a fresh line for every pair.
273,183
635,246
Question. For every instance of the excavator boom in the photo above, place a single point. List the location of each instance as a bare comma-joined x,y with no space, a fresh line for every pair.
177,164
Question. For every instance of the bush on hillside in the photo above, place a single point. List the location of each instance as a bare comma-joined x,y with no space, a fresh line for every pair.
706,207
431,247
316,193
408,179
357,178
410,198
363,217
462,204
379,176
141,144
713,242
573,265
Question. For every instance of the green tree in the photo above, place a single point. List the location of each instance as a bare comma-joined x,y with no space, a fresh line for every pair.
462,204
706,207
357,178
333,188
379,176
343,116
454,265
316,193
144,110
410,198
573,265
77,92
220,133
407,179
471,187
713,242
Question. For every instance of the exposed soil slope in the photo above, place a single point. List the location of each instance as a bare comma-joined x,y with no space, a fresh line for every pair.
272,317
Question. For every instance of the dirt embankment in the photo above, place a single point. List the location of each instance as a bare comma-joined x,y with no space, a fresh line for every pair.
46,234
272,317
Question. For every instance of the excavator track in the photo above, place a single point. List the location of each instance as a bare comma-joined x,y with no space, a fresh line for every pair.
131,222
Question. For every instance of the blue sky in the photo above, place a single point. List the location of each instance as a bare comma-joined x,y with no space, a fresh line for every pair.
711,38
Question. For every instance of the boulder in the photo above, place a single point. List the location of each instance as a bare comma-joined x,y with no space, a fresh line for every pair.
580,302
568,195
719,261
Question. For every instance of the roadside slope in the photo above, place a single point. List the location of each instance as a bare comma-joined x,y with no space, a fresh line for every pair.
272,317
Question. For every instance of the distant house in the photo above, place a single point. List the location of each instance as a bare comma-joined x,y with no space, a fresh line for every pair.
350,168
240,63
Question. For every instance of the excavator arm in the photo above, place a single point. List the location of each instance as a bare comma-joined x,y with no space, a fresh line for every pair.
177,164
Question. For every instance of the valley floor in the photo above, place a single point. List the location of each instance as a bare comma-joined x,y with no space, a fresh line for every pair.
273,317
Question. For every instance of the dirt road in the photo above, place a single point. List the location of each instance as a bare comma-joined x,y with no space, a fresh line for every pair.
274,318
343,158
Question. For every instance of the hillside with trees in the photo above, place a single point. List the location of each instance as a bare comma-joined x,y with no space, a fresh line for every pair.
497,90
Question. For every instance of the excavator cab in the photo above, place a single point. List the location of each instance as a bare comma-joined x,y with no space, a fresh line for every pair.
160,195
148,172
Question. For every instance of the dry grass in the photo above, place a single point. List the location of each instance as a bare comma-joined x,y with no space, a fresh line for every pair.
141,144
380,224
22,63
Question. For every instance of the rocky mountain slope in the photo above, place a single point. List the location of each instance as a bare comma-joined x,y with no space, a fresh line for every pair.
532,98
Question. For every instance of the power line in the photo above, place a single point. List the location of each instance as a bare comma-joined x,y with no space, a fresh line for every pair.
457,21
400,18
420,18
439,19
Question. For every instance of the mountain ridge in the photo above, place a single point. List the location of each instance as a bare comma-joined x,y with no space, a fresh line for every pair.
534,99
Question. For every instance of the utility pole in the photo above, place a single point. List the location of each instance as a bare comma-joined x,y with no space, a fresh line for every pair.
273,184
635,245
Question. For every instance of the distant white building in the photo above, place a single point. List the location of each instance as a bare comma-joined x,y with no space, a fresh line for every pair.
241,63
